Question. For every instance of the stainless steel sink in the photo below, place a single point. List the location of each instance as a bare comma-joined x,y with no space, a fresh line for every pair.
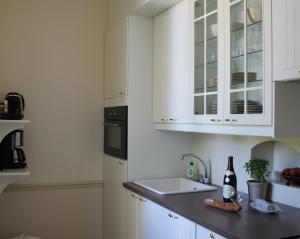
174,186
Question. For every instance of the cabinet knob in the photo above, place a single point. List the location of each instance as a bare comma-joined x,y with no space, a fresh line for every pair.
212,236
133,196
231,120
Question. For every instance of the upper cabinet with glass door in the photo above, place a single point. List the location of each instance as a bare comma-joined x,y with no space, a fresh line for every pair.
208,56
248,84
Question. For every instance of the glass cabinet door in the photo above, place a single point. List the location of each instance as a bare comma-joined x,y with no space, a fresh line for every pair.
246,81
206,42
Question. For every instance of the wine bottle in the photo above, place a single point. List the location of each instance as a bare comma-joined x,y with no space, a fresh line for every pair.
229,183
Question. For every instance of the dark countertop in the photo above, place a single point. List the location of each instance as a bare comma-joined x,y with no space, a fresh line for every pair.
246,224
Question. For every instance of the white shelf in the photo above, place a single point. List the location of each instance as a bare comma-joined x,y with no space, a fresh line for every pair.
9,176
7,126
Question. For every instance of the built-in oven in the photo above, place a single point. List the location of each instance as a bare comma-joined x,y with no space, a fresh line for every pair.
115,131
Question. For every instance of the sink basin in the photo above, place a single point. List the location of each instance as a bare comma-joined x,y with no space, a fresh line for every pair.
174,186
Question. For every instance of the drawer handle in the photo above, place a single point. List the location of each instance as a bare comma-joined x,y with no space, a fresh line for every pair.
172,119
176,217
170,215
213,120
121,163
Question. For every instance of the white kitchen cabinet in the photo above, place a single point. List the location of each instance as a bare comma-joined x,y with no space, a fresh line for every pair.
177,227
203,233
144,219
147,220
248,54
207,57
286,38
114,197
116,60
172,100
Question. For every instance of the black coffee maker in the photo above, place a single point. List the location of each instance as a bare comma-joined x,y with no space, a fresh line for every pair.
12,155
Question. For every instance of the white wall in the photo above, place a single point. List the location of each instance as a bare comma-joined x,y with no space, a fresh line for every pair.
215,149
119,8
52,51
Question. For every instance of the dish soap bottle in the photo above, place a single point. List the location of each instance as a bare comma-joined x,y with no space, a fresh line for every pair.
192,172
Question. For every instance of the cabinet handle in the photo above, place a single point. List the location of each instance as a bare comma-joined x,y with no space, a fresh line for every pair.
231,120
173,119
212,236
133,196
162,119
121,163
121,93
213,120
175,217
170,215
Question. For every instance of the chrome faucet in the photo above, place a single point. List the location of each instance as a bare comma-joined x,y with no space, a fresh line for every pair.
205,178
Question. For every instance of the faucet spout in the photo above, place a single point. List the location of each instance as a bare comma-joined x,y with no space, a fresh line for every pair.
201,161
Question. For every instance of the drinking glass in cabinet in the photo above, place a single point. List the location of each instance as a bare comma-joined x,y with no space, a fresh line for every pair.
212,53
199,8
199,105
237,46
254,43
199,57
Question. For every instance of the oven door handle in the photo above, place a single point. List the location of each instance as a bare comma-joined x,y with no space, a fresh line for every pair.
112,124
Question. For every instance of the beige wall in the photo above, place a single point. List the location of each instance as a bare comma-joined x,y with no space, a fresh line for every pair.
52,214
52,51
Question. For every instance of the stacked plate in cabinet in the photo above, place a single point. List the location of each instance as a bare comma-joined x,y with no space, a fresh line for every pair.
253,107
214,107
239,77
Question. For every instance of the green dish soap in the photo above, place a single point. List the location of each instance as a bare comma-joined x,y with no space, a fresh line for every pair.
192,172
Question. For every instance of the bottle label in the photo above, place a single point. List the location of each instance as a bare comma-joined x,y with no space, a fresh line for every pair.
228,191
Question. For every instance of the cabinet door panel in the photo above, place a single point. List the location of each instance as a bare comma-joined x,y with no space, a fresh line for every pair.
203,233
177,227
114,197
207,49
132,215
149,220
116,60
248,76
286,35
171,65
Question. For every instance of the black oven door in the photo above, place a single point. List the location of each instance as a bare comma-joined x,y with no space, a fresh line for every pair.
115,139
